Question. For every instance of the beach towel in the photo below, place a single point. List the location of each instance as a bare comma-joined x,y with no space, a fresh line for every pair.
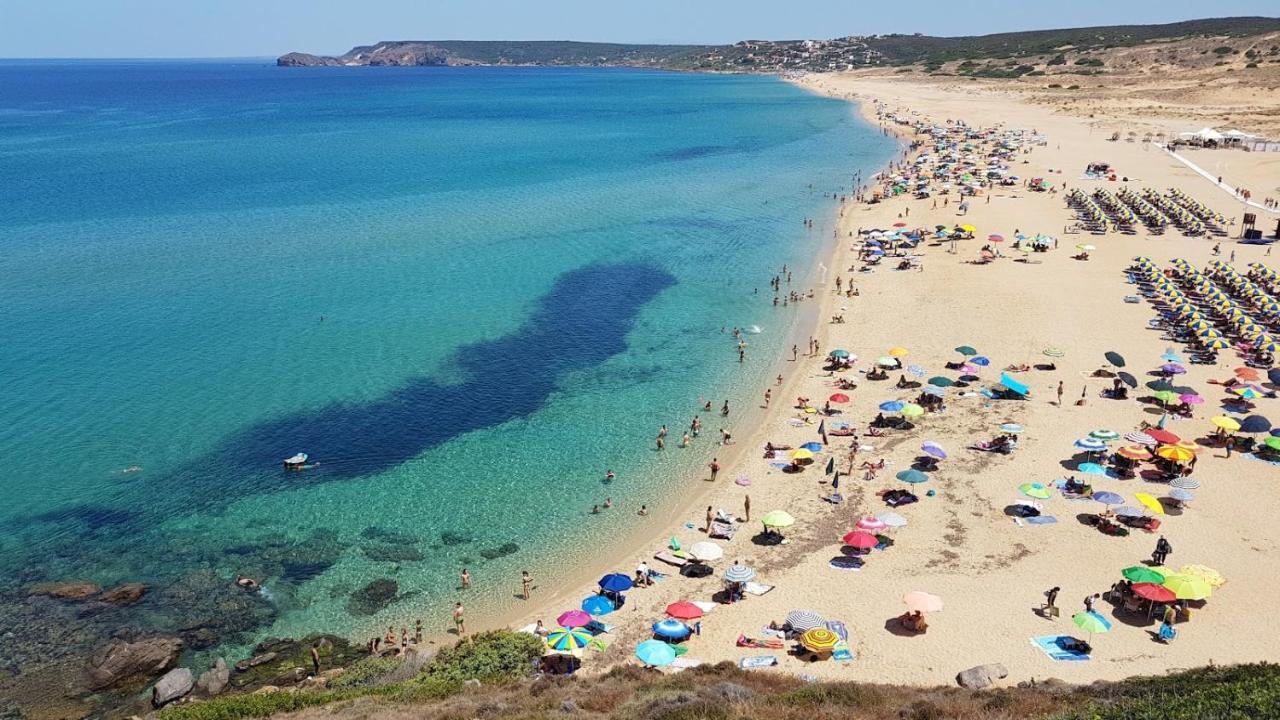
670,559
842,653
846,563
1042,520
755,588
722,531
1049,645
838,628
757,661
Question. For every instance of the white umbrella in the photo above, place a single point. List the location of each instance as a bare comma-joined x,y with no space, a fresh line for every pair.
706,551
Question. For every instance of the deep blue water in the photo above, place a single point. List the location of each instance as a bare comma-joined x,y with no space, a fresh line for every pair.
465,292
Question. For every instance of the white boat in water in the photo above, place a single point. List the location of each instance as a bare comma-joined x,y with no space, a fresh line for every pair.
296,462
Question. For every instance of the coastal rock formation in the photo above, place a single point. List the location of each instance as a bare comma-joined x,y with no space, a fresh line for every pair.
373,597
214,680
125,594
175,684
981,676
397,54
276,662
122,662
74,590
393,553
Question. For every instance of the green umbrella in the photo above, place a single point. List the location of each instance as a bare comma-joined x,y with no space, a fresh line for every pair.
966,350
1091,622
1166,396
1272,442
1142,574
1035,490
940,381
912,476
912,410
778,519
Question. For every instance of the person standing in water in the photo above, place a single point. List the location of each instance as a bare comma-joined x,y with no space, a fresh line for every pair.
725,410
459,624
526,584
466,579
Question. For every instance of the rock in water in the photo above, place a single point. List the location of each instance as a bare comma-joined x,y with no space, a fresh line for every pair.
373,597
121,661
214,680
126,594
981,676
76,590
175,684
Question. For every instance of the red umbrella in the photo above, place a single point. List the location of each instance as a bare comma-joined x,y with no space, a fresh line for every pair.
899,224
839,398
685,610
1164,437
1153,592
861,540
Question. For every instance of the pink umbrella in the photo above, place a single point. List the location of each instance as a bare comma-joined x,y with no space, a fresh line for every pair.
996,238
871,523
574,618
1191,399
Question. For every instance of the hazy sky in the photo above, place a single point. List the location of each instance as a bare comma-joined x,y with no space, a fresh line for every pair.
258,28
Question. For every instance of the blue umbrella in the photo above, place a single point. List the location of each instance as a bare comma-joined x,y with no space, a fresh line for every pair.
615,582
933,449
598,605
1107,498
655,653
980,360
739,573
912,476
1092,469
812,446
671,629
892,406
1255,424
1013,385
917,370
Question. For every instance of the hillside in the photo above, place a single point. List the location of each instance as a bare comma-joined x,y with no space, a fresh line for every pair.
791,55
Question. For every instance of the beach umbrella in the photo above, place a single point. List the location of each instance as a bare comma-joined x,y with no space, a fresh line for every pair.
655,653
802,620
1188,587
967,350
574,619
838,353
1127,379
671,629
1272,442
1011,428
739,573
1247,393
1014,385
1035,490
1089,444
911,410
1185,483
917,370
968,228
1114,358
1104,434
1134,452
917,601
980,361
1142,574
911,476
615,582
892,406
892,519
1255,424
820,640
801,454
1153,592
1208,574
1150,502
871,523
933,391
1091,468
839,398
1191,399
1091,622
940,381
568,639
898,352
1129,511
1175,453
1182,495
1086,247
811,446
860,539
1247,374
1166,396
706,551
778,519
1226,423
684,610
1107,498
1163,437
933,449
886,361
598,605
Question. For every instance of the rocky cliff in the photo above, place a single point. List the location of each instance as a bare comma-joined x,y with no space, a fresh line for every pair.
398,54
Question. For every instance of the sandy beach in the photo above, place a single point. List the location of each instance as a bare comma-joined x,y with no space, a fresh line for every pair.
990,571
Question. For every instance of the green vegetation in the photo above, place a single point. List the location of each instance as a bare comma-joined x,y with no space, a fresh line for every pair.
488,657
1058,59
365,673
1223,50
1240,691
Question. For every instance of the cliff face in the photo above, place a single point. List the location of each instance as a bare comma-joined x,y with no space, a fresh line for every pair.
401,54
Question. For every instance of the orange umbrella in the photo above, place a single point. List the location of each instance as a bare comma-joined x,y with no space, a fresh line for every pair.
1189,445
1247,374
1134,452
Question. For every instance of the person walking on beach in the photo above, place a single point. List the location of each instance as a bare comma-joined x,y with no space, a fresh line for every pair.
711,516
715,468
459,624
1051,601
1061,389
795,352
746,508
1230,444
526,584
1163,548
768,395
466,579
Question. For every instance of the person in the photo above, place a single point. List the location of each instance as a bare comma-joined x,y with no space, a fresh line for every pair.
459,623
1050,601
1088,602
246,582
608,503
643,577
644,510
685,440
391,637
526,583
539,629
1170,614
768,394
746,508
466,579
725,436
315,661
711,516
715,468
661,442
595,510
1163,548
725,410
609,476
1061,390
1230,444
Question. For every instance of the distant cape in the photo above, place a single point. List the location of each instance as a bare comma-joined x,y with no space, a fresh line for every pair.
401,54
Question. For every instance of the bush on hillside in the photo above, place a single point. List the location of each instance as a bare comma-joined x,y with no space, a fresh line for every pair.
487,657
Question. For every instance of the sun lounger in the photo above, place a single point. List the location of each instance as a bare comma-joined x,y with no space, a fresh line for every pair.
670,559
758,661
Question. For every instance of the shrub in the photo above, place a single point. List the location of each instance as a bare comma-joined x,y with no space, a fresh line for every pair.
365,673
235,707
1055,85
1251,65
1223,50
488,657
1073,87
849,695
1089,62
1058,59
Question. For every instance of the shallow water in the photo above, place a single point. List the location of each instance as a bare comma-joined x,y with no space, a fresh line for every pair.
465,292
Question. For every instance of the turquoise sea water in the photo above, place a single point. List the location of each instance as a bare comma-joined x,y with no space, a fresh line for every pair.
465,292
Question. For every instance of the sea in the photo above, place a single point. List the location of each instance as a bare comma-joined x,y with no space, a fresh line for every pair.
465,293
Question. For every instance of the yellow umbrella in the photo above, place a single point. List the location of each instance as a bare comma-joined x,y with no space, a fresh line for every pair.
1150,502
1208,574
802,454
820,640
1175,453
912,410
778,519
1226,423
1188,587
898,352
968,228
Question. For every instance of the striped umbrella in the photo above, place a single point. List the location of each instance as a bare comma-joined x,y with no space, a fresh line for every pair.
804,620
1185,483
1140,438
568,639
1104,434
819,640
739,573
1089,444
1182,495
933,449
671,629
1134,452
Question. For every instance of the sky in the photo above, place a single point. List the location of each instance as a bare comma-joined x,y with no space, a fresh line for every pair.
267,28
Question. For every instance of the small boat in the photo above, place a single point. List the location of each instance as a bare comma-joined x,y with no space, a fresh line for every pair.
297,462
